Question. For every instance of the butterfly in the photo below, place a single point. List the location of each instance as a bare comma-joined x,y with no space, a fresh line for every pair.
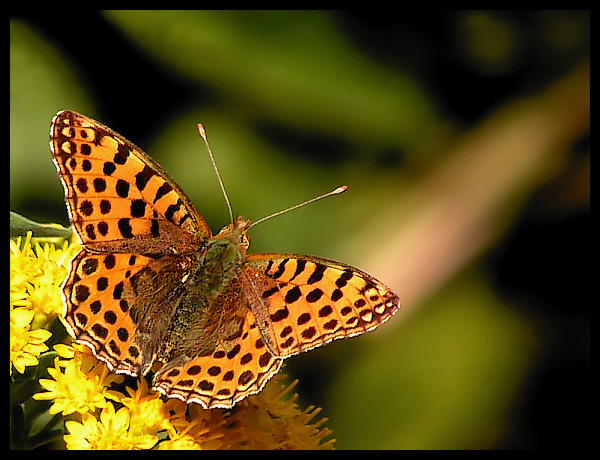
152,284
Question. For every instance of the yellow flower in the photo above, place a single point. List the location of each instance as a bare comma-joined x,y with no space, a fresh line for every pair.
25,345
148,411
112,431
178,441
36,274
26,339
205,427
269,420
20,264
81,387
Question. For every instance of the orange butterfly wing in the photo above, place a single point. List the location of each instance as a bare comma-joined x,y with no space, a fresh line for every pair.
119,199
225,376
304,302
120,305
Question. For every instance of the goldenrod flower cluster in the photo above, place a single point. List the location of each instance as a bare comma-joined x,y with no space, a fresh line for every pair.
77,403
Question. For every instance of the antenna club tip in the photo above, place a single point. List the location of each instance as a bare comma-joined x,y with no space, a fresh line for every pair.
340,189
201,130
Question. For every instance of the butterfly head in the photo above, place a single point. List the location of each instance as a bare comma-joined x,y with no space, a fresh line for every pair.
236,234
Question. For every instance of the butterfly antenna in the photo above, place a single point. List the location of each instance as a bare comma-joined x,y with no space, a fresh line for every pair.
337,191
202,132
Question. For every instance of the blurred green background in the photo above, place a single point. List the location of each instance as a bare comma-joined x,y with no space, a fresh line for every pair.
464,140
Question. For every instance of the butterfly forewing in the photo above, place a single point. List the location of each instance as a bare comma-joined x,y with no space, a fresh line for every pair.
118,198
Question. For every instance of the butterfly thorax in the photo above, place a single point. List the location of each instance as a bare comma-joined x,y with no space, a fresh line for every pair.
220,261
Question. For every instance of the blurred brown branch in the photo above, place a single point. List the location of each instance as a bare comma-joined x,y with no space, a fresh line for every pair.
469,199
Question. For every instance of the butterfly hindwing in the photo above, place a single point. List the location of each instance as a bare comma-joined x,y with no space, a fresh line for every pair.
306,301
120,305
230,372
